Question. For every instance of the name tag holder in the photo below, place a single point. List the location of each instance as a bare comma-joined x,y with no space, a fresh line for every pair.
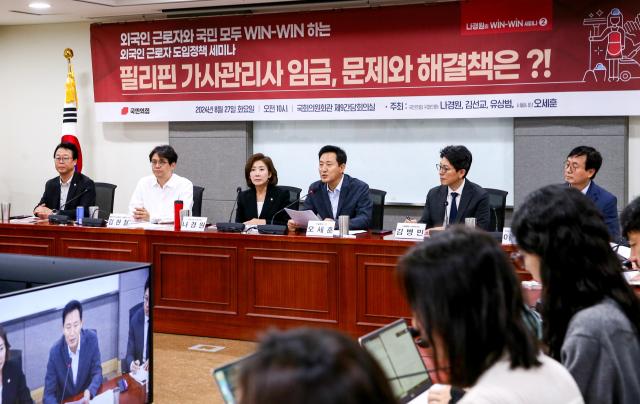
119,221
320,228
410,231
193,223
507,237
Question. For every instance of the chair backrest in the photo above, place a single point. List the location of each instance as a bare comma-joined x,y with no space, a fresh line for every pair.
497,207
377,197
16,357
196,210
294,195
105,194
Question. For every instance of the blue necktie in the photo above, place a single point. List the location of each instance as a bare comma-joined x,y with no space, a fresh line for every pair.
454,208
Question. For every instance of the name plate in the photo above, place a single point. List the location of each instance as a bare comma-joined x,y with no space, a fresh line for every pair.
410,231
193,223
320,228
119,221
507,237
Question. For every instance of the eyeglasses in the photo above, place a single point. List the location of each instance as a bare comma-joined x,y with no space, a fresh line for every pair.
159,162
571,167
442,169
62,159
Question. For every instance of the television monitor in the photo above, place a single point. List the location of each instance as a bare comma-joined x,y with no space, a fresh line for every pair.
42,321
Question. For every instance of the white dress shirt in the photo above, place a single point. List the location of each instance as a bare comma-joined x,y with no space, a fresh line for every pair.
334,198
157,200
64,191
448,208
144,346
586,189
75,360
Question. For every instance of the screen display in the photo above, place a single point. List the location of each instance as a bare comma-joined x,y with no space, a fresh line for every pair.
81,338
227,379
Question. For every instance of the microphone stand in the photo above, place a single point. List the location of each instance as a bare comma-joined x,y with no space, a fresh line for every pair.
229,226
278,228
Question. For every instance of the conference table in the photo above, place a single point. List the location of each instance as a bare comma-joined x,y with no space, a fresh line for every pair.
136,393
231,285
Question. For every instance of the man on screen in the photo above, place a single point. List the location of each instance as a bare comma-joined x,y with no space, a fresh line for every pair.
74,365
580,169
138,346
456,198
153,198
337,193
69,190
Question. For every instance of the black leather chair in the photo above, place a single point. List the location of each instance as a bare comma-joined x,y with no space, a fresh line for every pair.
196,210
294,195
105,195
377,218
16,357
497,207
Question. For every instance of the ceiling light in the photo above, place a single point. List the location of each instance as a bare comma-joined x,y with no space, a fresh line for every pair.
39,5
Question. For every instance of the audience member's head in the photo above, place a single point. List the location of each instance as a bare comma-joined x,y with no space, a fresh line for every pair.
259,170
630,221
312,366
565,243
467,304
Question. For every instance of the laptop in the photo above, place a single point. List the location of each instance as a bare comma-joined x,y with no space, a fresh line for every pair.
395,351
227,379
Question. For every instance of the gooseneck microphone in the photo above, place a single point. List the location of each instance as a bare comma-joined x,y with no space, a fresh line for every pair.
278,228
230,226
446,215
66,377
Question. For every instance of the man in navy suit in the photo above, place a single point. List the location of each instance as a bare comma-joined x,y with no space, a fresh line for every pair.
337,193
456,198
74,365
580,169
69,190
138,344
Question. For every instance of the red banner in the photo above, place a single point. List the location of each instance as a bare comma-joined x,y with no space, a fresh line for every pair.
408,51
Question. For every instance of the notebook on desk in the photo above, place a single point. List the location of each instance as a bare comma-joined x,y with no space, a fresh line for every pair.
395,351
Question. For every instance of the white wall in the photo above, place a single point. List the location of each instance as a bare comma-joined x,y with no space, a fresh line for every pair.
32,77
634,157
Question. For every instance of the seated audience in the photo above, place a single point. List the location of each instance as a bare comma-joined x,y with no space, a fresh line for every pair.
456,198
263,199
153,198
13,384
467,304
591,317
580,169
138,343
312,366
630,219
74,365
64,193
337,193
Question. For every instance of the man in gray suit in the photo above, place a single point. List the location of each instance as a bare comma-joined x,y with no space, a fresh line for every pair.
456,198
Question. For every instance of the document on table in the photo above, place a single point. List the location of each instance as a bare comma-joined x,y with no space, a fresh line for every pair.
103,398
140,375
301,217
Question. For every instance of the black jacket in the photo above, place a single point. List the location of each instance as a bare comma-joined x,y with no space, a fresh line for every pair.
276,199
79,183
14,385
474,202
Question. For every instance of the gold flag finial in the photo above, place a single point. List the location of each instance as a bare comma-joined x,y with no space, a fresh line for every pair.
70,93
68,54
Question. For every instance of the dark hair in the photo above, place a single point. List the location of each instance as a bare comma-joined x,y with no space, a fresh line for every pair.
71,306
463,289
165,151
459,156
578,268
270,167
68,146
341,155
594,158
7,346
146,284
312,366
630,217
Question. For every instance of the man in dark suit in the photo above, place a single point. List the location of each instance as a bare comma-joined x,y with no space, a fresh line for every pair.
138,345
456,198
70,186
581,167
74,365
337,193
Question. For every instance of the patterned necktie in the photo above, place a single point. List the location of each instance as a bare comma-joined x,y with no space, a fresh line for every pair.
454,208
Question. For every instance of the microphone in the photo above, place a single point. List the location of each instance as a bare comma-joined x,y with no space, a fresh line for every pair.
66,377
495,216
230,226
64,219
278,228
446,214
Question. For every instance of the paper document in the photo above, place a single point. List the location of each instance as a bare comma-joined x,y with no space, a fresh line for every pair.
351,232
140,375
26,220
103,398
301,217
621,250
